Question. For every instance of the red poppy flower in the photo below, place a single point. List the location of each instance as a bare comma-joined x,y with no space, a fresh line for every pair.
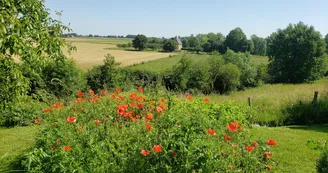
118,90
97,122
78,100
106,118
249,148
91,92
233,126
144,152
254,144
189,97
140,90
174,154
148,126
132,95
51,108
79,128
37,121
94,100
206,100
163,106
103,92
121,110
157,148
159,110
53,147
140,106
45,110
271,142
211,132
67,148
163,100
80,94
267,155
57,105
227,137
71,119
149,116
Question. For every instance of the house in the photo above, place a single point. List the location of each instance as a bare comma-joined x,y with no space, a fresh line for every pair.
179,43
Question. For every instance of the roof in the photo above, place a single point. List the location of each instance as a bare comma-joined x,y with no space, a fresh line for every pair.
178,40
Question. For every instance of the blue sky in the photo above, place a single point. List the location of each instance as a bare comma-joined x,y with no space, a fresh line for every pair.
184,17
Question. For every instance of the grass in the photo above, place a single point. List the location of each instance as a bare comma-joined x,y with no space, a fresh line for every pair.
13,143
91,52
291,151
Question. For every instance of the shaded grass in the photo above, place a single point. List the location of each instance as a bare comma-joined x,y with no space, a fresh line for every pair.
291,151
14,142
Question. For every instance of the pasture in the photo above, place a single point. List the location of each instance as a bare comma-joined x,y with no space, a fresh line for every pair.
91,51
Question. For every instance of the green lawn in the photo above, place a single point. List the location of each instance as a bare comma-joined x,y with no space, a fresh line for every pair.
13,143
291,152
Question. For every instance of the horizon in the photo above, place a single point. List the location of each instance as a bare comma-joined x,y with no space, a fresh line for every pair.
183,18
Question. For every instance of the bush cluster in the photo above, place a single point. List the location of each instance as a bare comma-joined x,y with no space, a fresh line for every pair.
136,132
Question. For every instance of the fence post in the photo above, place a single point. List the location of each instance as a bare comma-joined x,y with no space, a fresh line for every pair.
314,102
249,102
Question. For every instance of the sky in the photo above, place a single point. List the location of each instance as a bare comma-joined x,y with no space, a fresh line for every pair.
169,18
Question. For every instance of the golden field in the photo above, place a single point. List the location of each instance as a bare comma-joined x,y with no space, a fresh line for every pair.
91,52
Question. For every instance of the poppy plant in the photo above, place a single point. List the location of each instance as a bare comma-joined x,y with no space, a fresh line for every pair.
148,126
233,126
58,141
53,147
79,128
149,116
271,142
80,94
103,92
249,148
206,100
211,132
174,154
91,92
140,90
57,105
234,145
144,152
97,122
37,121
189,97
71,119
67,148
159,110
227,137
118,90
157,148
106,118
254,144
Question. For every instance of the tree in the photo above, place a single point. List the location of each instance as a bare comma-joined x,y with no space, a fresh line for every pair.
193,42
250,46
236,40
140,42
326,39
296,54
260,45
28,32
169,45
207,47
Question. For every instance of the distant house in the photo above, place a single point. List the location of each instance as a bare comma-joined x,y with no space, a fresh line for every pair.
179,42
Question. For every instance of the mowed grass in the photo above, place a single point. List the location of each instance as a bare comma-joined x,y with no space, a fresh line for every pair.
197,59
291,152
14,142
91,52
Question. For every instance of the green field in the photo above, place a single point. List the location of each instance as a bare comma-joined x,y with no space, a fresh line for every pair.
197,59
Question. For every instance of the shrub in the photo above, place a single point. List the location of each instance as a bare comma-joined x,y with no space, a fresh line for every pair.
228,78
154,46
169,45
322,163
177,77
132,132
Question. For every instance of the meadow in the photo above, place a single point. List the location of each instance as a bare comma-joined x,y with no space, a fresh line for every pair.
91,51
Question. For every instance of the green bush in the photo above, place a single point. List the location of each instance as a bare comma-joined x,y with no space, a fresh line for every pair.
133,132
22,112
322,163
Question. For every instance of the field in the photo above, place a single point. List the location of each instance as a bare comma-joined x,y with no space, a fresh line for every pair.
91,51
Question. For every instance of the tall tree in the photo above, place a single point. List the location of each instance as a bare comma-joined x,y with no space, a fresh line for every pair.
193,41
296,54
236,40
260,45
326,39
169,45
139,42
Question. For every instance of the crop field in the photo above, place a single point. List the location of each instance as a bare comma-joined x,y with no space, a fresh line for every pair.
91,51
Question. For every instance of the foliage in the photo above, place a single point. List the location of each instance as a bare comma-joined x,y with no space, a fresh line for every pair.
177,77
236,40
169,45
326,40
104,76
22,112
134,132
322,163
127,45
13,84
139,42
154,46
193,42
260,45
296,54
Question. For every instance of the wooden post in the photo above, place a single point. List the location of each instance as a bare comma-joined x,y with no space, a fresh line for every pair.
314,102
249,102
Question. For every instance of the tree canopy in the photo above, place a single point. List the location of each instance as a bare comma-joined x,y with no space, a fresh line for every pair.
140,42
169,45
236,40
296,54
326,39
260,45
